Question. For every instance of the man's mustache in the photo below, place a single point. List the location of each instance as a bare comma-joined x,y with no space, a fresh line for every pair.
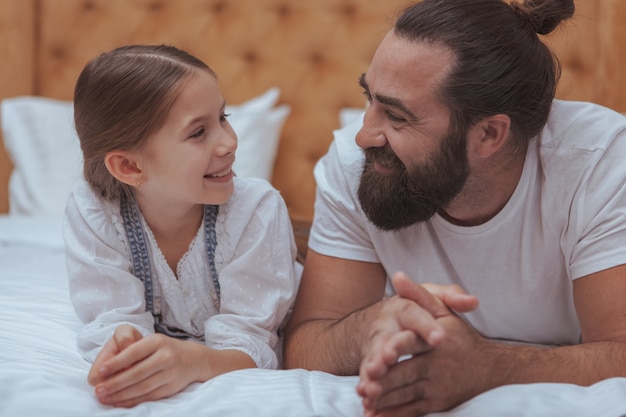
384,156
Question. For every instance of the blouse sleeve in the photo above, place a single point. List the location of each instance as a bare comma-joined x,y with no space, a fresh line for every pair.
103,291
257,277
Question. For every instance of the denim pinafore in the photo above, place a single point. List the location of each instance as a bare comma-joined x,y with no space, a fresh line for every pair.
141,261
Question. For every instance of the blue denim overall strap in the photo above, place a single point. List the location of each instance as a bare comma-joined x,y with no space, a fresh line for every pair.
141,263
139,254
210,217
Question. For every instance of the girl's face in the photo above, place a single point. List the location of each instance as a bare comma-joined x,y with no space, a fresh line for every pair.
189,160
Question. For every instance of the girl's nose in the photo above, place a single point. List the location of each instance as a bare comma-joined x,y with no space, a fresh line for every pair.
227,142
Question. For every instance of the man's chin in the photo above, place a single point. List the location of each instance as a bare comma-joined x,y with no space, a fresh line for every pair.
387,221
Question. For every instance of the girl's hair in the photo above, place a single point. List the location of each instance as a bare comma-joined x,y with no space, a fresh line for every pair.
501,66
121,98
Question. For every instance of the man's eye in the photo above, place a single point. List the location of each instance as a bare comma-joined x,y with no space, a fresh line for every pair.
394,118
367,95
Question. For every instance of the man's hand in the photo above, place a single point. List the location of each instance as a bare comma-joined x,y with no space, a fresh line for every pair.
436,380
413,324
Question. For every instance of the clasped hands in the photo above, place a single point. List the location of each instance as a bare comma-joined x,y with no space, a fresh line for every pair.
131,369
420,356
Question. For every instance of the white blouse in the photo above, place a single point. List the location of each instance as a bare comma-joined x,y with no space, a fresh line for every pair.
254,258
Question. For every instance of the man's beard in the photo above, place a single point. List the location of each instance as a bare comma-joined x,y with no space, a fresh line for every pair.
406,196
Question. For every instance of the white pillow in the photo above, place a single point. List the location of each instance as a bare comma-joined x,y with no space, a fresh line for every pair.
258,125
348,115
41,141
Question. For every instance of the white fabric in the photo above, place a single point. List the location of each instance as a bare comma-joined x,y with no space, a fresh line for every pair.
42,373
41,141
566,219
347,115
254,257
258,124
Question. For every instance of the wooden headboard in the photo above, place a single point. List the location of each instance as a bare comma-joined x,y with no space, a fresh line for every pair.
314,50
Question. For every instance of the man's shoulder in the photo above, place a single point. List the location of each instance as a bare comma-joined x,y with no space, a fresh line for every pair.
580,154
344,149
581,126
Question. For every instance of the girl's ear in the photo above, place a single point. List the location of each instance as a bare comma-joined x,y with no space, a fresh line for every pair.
491,134
124,167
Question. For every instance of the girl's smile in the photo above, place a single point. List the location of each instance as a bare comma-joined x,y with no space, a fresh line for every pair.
224,175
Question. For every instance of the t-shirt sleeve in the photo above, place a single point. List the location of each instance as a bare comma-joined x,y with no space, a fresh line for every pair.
340,228
599,212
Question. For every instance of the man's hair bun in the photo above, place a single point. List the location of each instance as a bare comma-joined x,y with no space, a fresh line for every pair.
543,16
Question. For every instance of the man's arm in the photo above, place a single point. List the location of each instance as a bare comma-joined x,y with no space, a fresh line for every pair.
601,308
336,303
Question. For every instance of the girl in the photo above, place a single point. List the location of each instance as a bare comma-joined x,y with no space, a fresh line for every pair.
180,271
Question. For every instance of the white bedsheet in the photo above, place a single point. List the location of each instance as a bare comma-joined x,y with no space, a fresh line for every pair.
41,373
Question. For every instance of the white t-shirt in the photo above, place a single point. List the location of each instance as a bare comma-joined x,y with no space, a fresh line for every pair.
254,258
566,219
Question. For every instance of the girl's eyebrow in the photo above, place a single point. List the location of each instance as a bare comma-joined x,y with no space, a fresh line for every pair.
388,101
200,118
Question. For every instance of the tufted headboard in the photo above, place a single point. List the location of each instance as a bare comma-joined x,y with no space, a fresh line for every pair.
314,50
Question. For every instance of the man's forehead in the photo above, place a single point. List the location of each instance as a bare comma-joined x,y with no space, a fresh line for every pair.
401,66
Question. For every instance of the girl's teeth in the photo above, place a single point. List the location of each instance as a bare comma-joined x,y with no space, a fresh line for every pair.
221,173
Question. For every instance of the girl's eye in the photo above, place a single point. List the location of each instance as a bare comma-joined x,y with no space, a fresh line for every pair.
197,133
224,116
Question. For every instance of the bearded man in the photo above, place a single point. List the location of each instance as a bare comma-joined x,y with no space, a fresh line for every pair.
466,182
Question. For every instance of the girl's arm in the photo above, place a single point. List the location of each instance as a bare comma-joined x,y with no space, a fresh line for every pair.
103,291
134,369
258,278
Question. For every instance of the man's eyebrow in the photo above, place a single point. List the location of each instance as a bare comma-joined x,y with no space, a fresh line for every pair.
363,83
388,101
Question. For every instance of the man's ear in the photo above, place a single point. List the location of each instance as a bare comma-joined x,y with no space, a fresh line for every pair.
490,134
124,167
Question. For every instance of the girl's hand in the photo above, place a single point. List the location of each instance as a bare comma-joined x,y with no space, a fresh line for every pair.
124,336
159,366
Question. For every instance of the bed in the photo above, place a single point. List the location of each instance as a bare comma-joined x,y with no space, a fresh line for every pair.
42,373
289,72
